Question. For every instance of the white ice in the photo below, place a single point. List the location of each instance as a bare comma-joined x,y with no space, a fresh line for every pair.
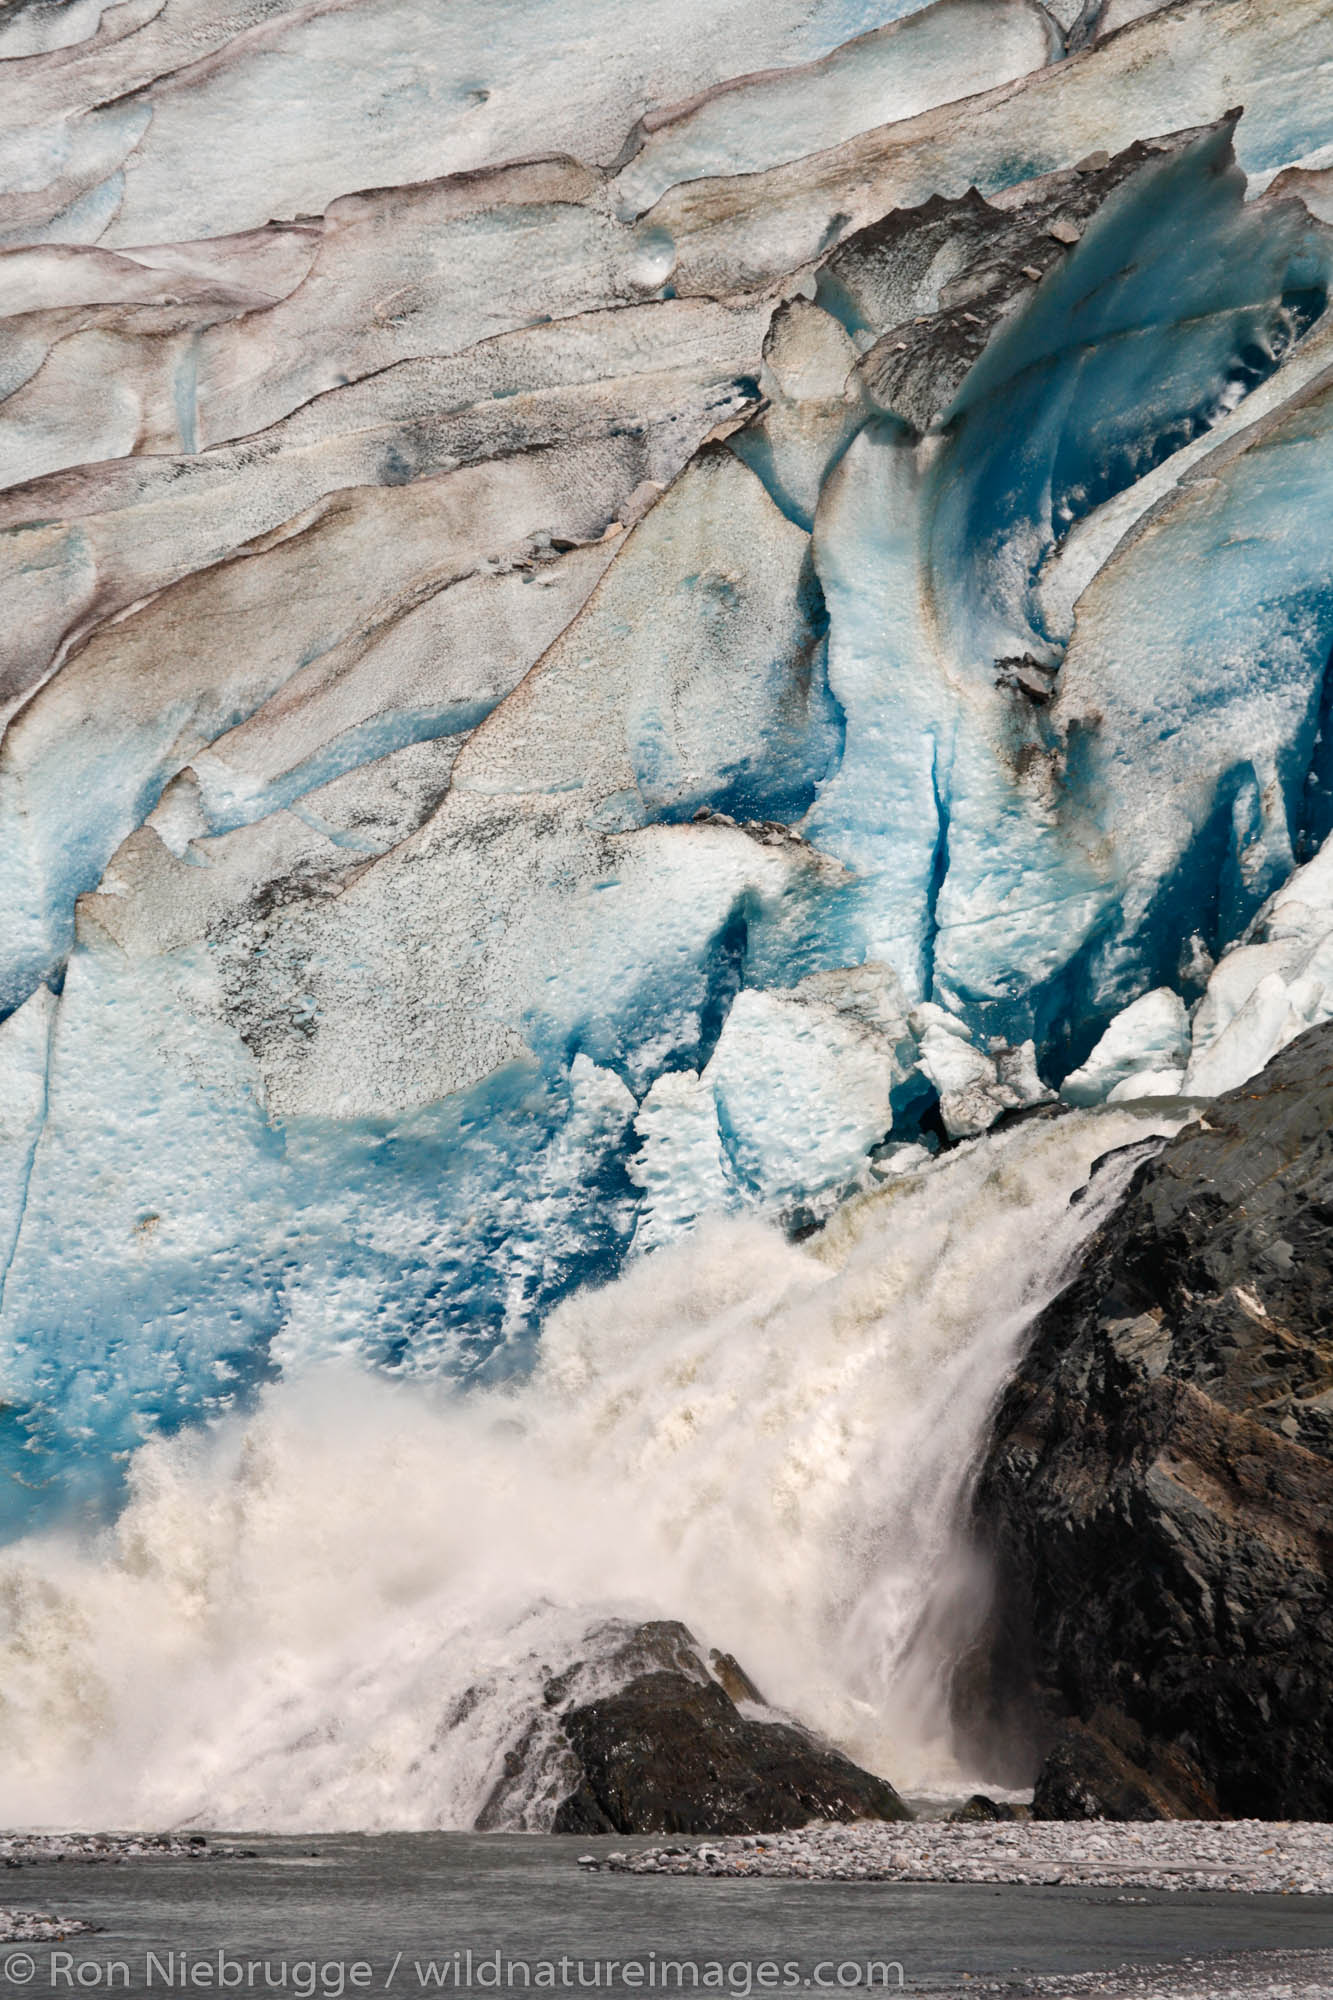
1148,1040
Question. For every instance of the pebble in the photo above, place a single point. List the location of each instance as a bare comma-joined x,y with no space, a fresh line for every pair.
1282,1858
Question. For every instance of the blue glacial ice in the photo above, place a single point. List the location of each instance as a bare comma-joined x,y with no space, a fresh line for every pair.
990,816
549,699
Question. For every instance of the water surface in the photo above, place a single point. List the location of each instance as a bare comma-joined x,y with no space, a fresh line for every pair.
399,1913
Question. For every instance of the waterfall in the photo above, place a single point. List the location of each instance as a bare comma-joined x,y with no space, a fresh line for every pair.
340,1609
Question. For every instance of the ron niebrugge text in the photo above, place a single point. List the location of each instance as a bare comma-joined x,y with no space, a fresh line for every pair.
222,1971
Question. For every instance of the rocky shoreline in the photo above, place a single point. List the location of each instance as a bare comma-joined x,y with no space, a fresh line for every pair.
30,1850
1256,1857
36,1927
1288,1975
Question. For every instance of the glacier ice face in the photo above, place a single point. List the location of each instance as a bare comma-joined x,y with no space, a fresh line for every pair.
933,55
25,1046
369,580
1270,987
551,695
980,839
87,757
42,25
1179,67
1114,337
138,128
1220,798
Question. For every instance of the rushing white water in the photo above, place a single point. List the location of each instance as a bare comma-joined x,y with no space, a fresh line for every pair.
339,1611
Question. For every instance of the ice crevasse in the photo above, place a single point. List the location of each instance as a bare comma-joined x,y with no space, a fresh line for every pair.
675,637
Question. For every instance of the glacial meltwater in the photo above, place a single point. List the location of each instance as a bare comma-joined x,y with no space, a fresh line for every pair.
340,1609
409,1914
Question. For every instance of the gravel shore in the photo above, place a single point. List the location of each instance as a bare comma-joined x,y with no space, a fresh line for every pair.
29,1850
1249,1855
1287,1975
33,1927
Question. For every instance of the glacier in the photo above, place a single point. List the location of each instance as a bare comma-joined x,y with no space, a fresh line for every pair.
625,636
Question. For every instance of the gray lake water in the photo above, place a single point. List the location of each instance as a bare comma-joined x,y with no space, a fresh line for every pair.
400,1914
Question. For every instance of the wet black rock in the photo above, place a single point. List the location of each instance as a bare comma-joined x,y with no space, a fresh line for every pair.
643,1737
1157,1501
980,1809
1107,1769
670,1755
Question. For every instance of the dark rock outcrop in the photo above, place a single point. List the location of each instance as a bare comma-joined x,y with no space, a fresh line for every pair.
647,1739
1158,1495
